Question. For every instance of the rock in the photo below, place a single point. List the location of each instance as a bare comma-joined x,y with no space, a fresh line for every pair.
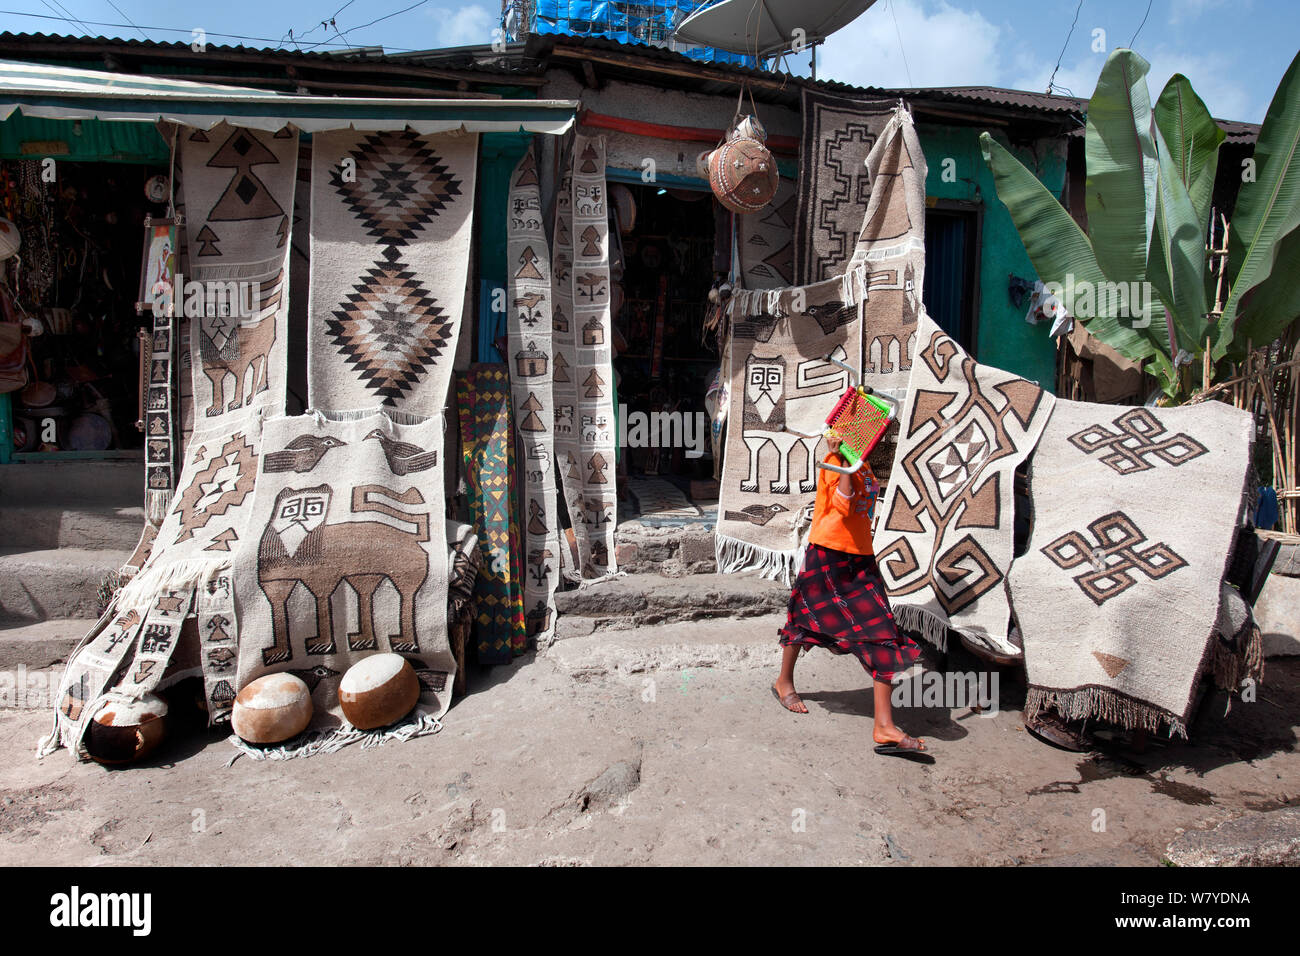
1259,838
615,783
696,548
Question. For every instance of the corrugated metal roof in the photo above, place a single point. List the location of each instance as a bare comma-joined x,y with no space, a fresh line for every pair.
359,55
529,58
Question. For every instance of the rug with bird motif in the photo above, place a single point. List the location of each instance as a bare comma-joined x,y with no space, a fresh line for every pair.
346,555
532,368
487,449
782,389
391,221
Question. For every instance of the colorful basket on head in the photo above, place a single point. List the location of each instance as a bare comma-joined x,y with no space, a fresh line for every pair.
857,422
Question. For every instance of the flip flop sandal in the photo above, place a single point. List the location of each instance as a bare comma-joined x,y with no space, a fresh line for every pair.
909,753
987,654
787,700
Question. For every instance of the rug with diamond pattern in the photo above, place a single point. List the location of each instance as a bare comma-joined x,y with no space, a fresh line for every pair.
391,220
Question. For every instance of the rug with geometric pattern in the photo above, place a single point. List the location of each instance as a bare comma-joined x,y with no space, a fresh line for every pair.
391,221
944,533
1135,514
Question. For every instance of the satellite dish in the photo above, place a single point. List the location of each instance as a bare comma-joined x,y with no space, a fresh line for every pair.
768,27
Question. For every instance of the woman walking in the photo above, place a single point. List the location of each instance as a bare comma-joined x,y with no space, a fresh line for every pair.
839,602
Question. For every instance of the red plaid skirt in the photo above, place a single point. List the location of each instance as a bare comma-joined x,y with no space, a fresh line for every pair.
839,603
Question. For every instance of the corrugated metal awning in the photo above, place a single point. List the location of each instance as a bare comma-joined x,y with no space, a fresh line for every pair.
54,92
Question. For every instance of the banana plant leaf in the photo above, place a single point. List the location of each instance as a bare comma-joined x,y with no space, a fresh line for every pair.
1057,247
1267,211
1192,138
1122,167
1271,306
1177,262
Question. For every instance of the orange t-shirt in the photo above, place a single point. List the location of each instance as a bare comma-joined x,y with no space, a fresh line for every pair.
841,523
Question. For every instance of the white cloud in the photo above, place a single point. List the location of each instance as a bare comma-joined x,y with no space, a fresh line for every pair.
944,46
1184,11
470,25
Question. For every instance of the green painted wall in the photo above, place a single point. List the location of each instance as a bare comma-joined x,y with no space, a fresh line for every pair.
499,153
1003,338
88,141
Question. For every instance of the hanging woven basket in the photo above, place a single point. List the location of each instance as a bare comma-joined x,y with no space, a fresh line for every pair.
742,172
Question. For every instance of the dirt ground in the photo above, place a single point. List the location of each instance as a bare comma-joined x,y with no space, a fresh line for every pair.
554,763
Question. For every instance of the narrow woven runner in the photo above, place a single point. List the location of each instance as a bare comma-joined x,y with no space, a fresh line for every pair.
564,386
1135,513
531,369
160,364
391,222
587,466
483,394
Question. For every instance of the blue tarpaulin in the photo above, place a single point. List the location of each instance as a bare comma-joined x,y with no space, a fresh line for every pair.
650,22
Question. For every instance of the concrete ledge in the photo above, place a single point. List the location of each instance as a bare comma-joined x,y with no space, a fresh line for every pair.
727,645
87,528
1278,615
73,483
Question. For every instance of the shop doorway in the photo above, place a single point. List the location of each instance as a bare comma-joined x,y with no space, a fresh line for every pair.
665,358
951,288
76,280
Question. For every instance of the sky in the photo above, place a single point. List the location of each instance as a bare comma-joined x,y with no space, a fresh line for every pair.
1233,51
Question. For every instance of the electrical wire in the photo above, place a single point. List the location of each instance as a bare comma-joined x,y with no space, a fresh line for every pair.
64,19
387,16
128,19
1052,79
1140,25
68,12
186,30
899,34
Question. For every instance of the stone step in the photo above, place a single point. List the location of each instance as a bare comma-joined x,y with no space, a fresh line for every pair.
87,527
640,600
42,645
45,585
672,551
